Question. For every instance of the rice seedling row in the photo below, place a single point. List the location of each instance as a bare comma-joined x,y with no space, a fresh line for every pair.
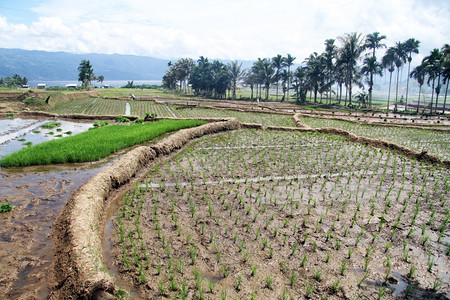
141,108
198,112
436,142
106,107
232,216
77,106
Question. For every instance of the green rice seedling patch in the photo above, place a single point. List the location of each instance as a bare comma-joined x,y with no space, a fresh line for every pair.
93,144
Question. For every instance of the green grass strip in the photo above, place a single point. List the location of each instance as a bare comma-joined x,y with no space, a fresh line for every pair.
94,144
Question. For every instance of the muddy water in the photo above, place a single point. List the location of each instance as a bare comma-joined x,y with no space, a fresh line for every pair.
26,245
16,133
38,194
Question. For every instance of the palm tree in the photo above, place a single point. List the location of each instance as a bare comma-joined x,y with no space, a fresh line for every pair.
370,67
350,52
288,62
314,72
329,55
433,68
86,73
234,69
266,73
418,73
373,42
300,84
446,70
277,63
400,54
388,62
411,46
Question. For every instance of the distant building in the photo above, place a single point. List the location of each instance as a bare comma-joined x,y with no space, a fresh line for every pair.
71,86
42,86
25,86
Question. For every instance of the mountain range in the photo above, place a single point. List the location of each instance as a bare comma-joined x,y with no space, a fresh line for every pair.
42,65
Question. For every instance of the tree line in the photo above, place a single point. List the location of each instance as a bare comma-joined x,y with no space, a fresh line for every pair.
347,62
13,81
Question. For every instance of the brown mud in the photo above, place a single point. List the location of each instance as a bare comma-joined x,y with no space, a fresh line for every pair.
38,194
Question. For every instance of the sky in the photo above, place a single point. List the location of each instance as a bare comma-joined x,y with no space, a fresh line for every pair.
222,29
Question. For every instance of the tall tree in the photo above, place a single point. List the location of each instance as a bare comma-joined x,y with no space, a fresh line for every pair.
350,52
400,55
329,55
371,67
300,84
388,62
446,71
418,73
433,67
373,42
236,73
289,62
277,62
314,72
410,46
86,73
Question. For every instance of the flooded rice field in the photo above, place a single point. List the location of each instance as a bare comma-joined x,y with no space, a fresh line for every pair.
37,194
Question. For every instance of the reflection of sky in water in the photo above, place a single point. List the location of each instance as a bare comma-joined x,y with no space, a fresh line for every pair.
11,130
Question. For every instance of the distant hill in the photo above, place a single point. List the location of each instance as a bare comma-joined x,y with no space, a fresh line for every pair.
42,65
62,66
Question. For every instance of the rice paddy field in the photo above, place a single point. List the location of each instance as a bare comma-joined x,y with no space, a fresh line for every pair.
285,215
252,214
433,141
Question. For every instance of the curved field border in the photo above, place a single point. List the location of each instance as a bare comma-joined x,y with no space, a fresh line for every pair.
432,158
78,231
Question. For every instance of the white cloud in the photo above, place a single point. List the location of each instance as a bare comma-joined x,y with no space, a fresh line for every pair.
233,29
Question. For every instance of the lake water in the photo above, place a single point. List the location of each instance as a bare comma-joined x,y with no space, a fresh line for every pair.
111,83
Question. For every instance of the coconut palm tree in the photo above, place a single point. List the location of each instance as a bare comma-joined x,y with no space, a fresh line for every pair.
433,68
388,62
86,73
446,71
300,84
418,73
373,42
329,55
314,72
350,52
371,67
400,54
235,70
278,64
288,62
410,46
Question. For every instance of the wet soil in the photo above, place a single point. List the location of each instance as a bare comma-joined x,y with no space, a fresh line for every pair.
26,244
316,215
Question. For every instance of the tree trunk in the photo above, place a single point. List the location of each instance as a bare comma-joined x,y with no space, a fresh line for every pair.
396,88
432,97
438,89
389,92
445,97
407,86
370,89
418,101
